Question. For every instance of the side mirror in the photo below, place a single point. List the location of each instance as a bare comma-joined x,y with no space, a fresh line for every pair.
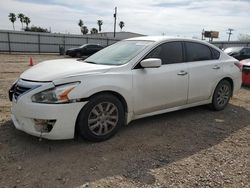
151,63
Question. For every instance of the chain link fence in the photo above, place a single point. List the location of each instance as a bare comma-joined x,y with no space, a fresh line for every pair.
19,41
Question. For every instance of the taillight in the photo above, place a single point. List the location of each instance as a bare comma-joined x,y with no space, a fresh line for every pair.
239,65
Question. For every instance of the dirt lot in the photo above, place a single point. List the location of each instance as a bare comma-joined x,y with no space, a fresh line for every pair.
196,147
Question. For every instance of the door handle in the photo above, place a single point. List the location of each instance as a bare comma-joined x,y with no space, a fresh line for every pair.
182,73
216,67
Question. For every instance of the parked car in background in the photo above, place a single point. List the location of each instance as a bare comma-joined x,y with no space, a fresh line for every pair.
245,64
128,80
239,53
84,50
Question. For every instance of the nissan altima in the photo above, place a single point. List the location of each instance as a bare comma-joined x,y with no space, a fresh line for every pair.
128,80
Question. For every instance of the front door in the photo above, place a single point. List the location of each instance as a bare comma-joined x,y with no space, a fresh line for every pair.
164,87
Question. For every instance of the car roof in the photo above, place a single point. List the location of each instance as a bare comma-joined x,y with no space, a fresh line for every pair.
170,38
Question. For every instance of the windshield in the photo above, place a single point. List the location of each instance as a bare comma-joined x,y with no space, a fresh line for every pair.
118,53
233,49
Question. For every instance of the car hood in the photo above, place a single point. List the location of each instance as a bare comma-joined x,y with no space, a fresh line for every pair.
62,68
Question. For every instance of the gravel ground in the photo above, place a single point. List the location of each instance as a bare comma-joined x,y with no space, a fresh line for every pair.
196,147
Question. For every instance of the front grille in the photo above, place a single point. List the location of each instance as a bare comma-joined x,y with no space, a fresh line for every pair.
22,87
246,69
19,90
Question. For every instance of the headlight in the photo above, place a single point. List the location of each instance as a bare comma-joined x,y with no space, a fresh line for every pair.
58,94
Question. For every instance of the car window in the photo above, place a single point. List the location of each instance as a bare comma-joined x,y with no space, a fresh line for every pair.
169,53
216,53
246,51
197,52
91,46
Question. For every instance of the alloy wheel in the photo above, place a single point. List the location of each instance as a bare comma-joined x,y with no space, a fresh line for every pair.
103,118
223,95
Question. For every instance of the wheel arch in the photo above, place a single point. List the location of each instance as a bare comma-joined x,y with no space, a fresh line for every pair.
230,80
114,93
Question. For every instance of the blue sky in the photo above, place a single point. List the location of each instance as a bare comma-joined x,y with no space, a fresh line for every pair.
151,17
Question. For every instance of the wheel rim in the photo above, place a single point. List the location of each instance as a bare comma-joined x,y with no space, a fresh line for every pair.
103,118
223,95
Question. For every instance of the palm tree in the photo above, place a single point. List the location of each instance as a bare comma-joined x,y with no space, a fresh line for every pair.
94,31
99,23
84,30
80,23
12,18
121,24
21,18
26,20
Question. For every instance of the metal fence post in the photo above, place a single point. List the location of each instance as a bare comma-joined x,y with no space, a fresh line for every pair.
107,42
64,42
39,45
9,41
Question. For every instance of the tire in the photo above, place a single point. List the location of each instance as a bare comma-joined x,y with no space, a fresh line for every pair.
100,118
221,96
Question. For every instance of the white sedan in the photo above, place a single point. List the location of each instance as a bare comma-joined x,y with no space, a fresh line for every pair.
131,79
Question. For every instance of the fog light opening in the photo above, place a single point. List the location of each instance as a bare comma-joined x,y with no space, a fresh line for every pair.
44,126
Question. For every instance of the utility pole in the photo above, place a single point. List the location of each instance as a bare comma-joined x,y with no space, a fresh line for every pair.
229,33
115,15
202,34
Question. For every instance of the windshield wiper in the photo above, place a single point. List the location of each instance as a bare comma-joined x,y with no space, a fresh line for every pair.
92,62
83,59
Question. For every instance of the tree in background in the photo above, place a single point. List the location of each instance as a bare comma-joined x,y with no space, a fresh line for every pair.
36,29
84,30
244,37
100,23
12,18
94,31
121,24
21,18
26,20
80,23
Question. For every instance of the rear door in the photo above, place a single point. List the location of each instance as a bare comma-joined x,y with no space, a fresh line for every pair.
164,87
204,70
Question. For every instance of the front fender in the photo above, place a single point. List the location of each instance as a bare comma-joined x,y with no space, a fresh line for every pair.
120,83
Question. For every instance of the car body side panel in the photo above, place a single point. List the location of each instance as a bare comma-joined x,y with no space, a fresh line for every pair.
159,88
230,70
203,75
